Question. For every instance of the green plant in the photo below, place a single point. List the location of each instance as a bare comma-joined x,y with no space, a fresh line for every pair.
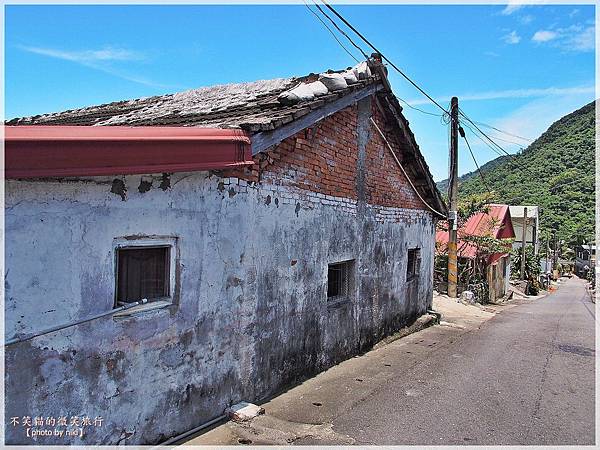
533,268
471,270
555,173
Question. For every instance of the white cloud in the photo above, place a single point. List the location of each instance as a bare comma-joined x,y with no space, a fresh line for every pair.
529,120
511,38
527,19
583,41
544,36
533,118
573,13
102,60
492,54
513,93
87,56
511,8
575,38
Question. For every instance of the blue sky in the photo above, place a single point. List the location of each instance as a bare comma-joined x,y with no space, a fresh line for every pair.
517,68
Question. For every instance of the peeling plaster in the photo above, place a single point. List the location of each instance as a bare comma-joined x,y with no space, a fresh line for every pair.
252,316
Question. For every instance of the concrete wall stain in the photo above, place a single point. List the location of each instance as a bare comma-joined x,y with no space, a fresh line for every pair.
252,315
145,185
118,188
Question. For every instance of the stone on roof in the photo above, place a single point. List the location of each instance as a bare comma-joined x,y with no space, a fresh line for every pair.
255,106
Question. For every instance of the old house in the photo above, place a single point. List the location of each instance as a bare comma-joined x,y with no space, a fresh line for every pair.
494,223
585,260
532,226
169,256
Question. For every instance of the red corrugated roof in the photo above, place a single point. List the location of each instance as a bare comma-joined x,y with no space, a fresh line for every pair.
495,223
61,151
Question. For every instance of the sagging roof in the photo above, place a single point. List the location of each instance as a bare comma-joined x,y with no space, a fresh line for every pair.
268,111
496,223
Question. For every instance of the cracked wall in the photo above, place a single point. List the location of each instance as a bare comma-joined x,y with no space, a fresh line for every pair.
251,317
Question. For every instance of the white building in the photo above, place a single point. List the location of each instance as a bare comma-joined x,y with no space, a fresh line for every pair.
533,225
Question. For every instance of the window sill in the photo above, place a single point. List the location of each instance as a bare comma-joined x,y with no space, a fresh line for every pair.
337,302
150,306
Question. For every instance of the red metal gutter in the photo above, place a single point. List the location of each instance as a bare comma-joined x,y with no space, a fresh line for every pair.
63,151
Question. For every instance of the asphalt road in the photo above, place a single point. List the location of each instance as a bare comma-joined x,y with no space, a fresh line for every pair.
520,374
526,377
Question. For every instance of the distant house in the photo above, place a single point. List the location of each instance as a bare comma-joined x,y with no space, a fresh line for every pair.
585,260
517,214
275,228
496,223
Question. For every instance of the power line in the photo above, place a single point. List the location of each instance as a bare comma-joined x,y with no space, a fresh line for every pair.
503,132
359,48
417,109
490,143
349,25
497,138
341,31
332,33
384,57
485,135
464,136
484,141
520,144
512,157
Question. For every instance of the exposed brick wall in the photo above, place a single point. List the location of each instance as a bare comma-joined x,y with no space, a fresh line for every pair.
323,159
385,182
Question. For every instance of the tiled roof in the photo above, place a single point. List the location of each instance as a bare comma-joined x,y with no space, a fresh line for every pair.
494,223
254,106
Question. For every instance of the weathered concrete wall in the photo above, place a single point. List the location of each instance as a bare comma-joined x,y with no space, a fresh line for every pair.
251,315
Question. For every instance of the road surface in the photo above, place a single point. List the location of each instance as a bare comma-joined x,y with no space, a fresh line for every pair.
524,377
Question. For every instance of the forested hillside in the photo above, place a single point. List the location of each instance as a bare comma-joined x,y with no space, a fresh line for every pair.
556,172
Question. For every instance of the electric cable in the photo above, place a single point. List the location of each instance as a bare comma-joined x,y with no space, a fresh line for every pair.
418,109
512,158
341,31
332,33
404,171
464,136
391,63
359,48
503,132
359,34
494,149
461,112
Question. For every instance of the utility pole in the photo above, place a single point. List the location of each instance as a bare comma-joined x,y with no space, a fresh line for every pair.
453,200
523,242
554,256
547,252
591,264
547,272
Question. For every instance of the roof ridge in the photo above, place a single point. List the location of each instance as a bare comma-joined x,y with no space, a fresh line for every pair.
219,105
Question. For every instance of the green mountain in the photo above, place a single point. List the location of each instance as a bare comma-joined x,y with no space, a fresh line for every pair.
556,172
488,166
